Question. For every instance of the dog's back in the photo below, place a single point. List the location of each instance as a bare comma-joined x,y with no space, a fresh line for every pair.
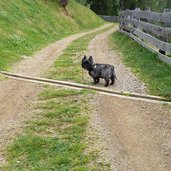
96,71
104,70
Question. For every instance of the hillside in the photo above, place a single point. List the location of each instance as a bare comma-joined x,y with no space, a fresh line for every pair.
28,25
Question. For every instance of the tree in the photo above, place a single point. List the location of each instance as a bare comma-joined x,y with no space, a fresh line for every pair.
155,5
104,7
112,7
83,2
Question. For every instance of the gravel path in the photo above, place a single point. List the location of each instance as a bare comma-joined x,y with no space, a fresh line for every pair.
101,52
17,98
135,134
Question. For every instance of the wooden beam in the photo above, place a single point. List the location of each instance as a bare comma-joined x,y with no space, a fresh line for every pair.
163,58
127,28
166,47
150,16
149,28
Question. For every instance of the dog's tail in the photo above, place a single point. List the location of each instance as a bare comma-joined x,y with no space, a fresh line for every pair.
113,73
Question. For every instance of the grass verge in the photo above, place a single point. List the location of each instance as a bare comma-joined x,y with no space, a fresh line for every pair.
55,138
145,64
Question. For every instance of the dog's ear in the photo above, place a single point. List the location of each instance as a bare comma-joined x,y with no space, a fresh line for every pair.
85,57
83,61
91,59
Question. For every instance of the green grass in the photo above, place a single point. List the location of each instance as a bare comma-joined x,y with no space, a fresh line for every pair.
55,138
169,55
69,64
154,73
28,25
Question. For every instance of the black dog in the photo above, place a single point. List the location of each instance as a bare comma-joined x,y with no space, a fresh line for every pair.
97,71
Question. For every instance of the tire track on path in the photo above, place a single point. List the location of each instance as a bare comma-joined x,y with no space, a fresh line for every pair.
137,134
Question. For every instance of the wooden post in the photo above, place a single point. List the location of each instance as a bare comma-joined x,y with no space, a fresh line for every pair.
162,38
147,9
120,20
167,24
136,17
123,23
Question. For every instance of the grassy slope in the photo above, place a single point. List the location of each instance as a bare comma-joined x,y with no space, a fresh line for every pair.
28,25
145,64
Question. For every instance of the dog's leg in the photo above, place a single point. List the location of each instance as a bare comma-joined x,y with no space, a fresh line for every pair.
107,82
96,80
112,80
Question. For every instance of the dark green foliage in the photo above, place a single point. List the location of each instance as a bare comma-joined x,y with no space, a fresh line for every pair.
104,7
83,2
155,5
111,7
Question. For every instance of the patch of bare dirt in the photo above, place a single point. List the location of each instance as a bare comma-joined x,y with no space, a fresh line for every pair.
17,98
136,135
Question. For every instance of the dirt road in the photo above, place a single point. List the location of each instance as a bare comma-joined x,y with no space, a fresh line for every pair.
137,134
17,98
